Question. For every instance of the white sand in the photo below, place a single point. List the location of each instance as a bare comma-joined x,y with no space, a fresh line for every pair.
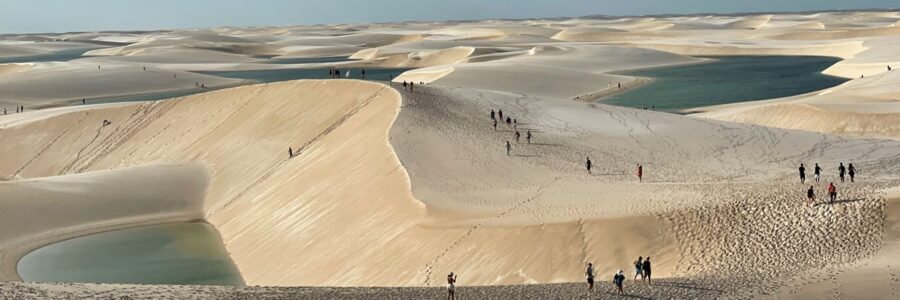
450,199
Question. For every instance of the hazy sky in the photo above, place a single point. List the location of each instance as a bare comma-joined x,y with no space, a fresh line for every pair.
24,16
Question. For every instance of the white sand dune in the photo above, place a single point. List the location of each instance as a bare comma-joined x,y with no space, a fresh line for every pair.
552,71
55,83
398,188
263,203
39,48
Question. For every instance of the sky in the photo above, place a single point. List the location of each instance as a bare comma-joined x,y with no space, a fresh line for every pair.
34,16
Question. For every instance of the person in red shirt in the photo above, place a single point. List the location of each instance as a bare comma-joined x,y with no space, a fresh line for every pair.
640,173
832,192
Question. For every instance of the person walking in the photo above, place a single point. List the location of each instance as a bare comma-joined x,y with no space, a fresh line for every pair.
850,169
492,114
528,136
494,121
451,286
500,113
646,269
518,135
841,171
508,148
817,171
832,193
810,196
589,275
363,73
802,174
588,165
638,265
619,280
508,121
640,173
411,86
290,152
404,85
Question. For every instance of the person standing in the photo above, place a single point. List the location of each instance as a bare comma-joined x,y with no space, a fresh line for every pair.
508,121
638,265
802,174
494,121
363,73
492,114
589,274
500,113
850,169
646,269
841,171
588,165
290,152
619,280
817,171
832,192
810,196
518,135
508,148
640,173
411,86
451,286
528,136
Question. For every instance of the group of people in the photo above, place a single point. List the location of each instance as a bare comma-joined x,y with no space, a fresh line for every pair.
831,189
335,73
408,85
19,108
513,124
641,268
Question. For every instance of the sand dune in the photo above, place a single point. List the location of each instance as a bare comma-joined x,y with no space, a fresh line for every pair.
263,203
103,200
754,22
399,188
56,83
553,71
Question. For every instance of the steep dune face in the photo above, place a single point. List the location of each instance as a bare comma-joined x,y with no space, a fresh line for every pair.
272,212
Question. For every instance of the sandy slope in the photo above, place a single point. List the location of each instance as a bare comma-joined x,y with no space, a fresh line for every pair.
243,142
262,203
346,208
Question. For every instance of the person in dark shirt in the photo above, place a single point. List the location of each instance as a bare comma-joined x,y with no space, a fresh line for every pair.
646,269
